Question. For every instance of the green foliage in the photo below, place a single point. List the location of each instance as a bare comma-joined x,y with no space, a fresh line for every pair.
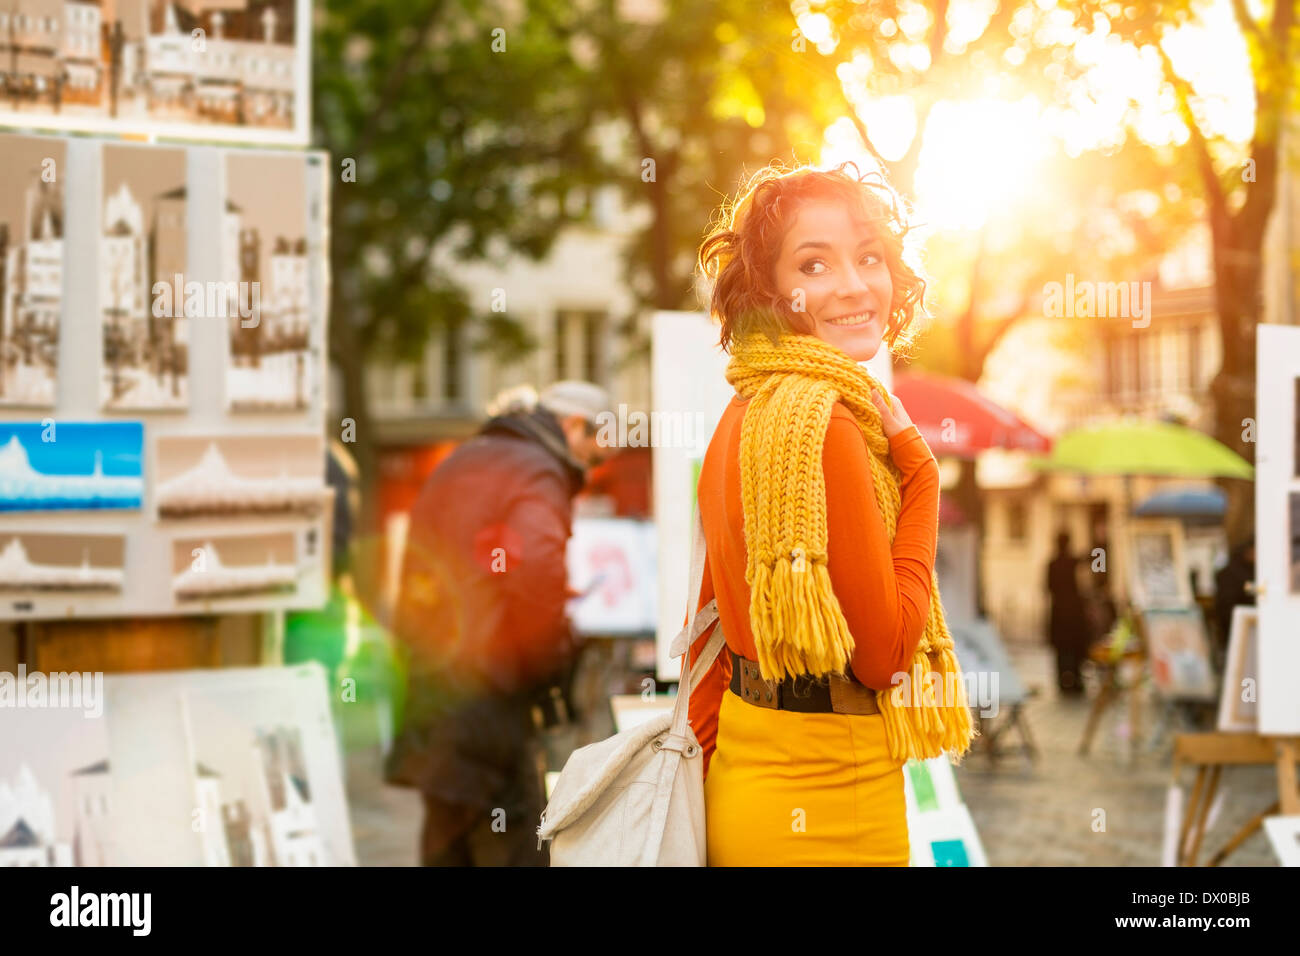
454,143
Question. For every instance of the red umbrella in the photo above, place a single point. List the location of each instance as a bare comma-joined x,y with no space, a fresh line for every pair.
958,421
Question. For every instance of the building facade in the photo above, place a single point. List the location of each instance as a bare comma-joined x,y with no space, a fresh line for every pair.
1159,370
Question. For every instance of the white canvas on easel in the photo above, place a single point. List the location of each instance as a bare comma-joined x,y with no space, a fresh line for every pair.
1158,570
610,561
1238,702
1277,535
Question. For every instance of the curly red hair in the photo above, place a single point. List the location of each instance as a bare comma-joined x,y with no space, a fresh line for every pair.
744,240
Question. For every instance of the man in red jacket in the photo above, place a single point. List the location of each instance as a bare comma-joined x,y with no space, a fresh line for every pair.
482,618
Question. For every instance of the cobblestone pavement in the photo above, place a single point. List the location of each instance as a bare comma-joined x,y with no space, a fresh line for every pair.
385,820
1042,813
1028,814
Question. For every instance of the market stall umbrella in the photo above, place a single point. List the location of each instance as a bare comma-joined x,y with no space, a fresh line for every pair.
1143,448
1194,505
1128,448
957,420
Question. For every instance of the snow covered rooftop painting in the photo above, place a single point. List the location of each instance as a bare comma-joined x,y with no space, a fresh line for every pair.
61,562
70,466
234,566
240,475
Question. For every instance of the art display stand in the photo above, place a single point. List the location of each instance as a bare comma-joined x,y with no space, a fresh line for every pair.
163,337
980,650
992,732
1110,667
1208,754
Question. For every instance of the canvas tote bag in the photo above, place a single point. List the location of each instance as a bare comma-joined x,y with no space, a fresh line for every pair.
637,799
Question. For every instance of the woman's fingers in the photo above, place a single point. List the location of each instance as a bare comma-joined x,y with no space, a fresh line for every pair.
900,413
893,415
888,420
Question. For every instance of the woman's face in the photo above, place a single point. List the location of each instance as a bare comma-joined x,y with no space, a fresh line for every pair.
839,265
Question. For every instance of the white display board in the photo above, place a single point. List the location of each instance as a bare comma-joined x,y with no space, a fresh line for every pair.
1277,527
689,388
223,506
687,381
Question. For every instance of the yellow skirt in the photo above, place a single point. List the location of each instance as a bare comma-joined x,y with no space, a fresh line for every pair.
792,789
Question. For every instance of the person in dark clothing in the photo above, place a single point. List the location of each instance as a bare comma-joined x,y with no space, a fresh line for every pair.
1068,628
1230,590
482,621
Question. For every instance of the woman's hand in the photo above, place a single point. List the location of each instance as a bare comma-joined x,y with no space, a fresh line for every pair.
893,419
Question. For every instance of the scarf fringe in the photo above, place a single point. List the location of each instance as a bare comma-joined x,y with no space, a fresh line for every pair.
792,616
918,721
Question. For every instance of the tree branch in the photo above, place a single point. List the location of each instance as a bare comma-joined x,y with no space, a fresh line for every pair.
1271,95
1205,163
398,76
1248,24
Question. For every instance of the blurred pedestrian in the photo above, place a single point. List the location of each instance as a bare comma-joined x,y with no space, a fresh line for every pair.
482,619
1068,625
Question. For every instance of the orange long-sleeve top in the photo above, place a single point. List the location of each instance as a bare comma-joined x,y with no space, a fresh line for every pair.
883,591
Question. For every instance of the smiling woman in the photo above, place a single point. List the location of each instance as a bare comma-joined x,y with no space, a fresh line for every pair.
819,501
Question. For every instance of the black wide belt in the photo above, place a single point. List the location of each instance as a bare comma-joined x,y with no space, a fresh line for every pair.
803,694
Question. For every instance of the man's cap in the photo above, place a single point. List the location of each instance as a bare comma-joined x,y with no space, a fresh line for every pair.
573,397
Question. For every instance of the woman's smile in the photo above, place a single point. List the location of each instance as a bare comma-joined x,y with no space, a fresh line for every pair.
861,318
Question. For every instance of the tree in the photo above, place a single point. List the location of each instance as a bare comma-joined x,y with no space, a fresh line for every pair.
1239,192
447,122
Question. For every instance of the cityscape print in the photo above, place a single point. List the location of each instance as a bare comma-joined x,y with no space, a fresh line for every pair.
97,64
145,354
264,248
55,796
31,269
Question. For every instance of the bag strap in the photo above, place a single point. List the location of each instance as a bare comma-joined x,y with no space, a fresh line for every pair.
696,624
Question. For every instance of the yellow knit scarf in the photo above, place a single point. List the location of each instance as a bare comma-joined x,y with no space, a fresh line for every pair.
796,619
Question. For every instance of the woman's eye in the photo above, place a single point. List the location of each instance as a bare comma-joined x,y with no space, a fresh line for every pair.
872,256
807,266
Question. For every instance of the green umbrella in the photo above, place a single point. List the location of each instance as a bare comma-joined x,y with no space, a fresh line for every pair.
1143,448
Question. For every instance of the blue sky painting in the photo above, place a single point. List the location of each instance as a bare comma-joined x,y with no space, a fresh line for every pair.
84,466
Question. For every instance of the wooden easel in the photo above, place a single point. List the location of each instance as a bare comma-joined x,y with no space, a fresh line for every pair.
1209,754
1111,691
991,731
